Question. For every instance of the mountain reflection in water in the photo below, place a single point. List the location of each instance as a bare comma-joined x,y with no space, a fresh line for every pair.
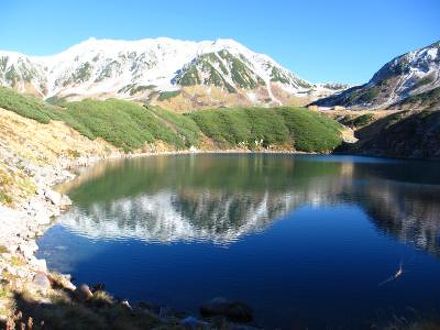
220,198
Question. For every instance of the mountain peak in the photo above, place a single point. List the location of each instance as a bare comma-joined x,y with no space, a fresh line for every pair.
145,69
407,75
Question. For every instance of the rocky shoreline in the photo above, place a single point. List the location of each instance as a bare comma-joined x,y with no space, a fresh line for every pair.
22,224
22,274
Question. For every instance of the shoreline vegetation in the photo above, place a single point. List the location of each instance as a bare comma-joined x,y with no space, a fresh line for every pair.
40,144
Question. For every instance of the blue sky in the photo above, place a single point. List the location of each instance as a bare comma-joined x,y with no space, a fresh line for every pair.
332,40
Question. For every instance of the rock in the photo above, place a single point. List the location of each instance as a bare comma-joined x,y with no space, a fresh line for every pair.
69,285
42,282
65,201
126,304
28,249
53,196
58,200
67,277
83,293
232,310
62,281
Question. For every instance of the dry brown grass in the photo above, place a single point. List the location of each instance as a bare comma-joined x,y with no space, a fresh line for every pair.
25,141
44,143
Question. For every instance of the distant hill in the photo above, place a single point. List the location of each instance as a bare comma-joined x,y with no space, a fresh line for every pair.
397,83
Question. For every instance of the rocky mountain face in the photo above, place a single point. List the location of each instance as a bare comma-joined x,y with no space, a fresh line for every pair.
426,100
156,69
406,76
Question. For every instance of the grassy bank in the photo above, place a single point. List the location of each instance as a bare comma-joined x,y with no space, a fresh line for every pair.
130,126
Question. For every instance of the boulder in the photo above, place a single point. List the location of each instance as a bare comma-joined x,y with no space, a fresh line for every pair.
83,293
126,304
62,281
65,201
41,281
28,249
232,310
53,196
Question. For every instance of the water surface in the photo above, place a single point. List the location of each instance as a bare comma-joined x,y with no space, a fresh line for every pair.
306,241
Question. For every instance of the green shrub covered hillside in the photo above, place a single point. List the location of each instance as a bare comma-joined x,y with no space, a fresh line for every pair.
129,126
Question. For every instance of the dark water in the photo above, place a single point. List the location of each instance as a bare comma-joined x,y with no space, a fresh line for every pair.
306,241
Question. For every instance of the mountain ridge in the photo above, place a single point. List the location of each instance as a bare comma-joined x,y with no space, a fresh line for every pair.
408,75
143,69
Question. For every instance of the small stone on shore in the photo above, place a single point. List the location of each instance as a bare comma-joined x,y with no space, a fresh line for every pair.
83,293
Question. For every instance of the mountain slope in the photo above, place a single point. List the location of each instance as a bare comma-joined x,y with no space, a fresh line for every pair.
405,76
405,134
146,69
426,100
132,127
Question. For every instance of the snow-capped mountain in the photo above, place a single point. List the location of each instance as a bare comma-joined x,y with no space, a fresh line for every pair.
408,75
152,69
